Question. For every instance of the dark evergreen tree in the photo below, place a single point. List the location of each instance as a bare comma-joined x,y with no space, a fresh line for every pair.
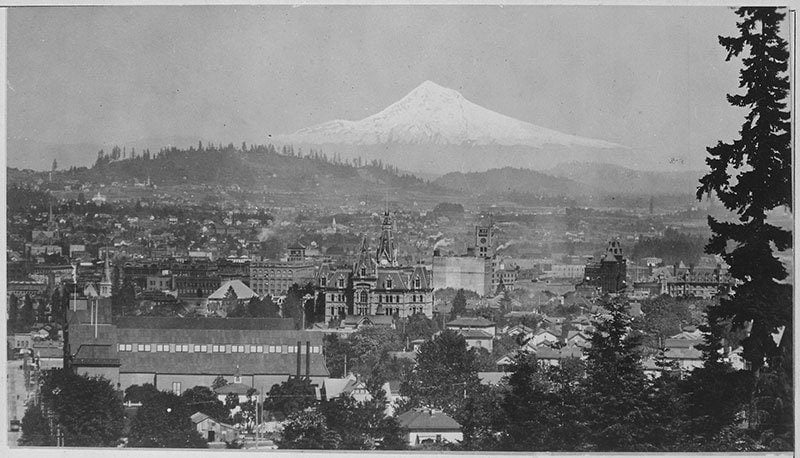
752,176
459,304
618,412
761,160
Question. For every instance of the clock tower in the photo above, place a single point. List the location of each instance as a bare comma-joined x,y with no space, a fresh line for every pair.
483,241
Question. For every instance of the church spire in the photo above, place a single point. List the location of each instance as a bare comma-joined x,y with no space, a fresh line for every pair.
105,285
387,251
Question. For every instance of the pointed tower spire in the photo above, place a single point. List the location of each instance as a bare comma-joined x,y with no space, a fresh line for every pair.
105,285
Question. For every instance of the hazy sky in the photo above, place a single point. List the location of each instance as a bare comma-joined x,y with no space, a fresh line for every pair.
652,78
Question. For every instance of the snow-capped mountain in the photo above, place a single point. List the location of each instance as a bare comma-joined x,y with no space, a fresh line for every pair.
435,115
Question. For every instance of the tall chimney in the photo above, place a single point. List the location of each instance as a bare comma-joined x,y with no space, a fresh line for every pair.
308,359
298,358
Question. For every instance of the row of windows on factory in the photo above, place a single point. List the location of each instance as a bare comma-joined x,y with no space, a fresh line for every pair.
204,348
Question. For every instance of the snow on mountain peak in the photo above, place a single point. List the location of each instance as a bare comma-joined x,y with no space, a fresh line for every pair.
433,114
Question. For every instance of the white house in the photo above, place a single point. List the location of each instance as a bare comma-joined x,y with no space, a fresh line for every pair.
425,426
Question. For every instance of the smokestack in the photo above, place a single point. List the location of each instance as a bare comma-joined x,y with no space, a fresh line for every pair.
308,359
298,358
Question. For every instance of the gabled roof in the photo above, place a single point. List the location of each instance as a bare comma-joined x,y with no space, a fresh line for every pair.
475,334
239,324
234,388
471,321
427,420
681,343
243,292
334,387
96,355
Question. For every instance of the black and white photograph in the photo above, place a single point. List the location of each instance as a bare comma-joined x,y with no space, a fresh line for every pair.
399,228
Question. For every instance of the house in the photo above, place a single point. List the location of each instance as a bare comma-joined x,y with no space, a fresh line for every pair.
423,426
542,337
547,356
683,353
213,430
473,324
477,339
230,294
519,330
348,386
577,339
504,364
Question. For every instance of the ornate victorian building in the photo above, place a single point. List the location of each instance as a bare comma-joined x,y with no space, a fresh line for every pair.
376,284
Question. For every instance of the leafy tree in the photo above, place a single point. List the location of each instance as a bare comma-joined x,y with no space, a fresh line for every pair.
446,373
308,430
203,399
291,396
393,435
87,409
752,176
140,393
389,368
368,345
218,382
35,427
419,326
338,352
163,421
13,313
358,424
663,317
27,313
484,419
124,301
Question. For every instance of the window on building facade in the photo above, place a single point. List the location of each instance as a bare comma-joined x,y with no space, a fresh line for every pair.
363,296
218,348
388,283
143,347
323,281
125,347
176,388
341,282
162,347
